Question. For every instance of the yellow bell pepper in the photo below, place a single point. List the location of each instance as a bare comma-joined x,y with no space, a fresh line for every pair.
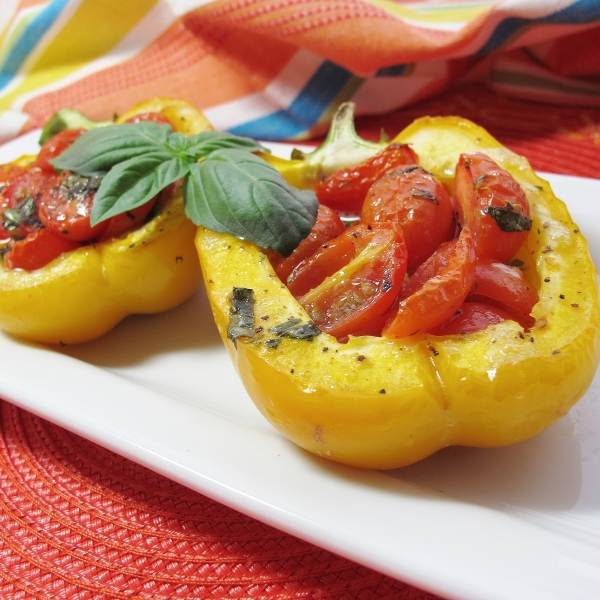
83,294
381,403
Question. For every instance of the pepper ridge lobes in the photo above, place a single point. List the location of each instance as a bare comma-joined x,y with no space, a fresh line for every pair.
380,403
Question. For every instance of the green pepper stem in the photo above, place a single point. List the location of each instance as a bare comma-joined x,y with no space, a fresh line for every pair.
68,118
342,147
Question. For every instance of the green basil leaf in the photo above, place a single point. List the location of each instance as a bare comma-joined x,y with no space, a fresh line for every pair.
206,142
98,150
134,182
235,192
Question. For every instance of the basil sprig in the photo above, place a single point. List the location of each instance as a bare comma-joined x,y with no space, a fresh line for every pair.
226,188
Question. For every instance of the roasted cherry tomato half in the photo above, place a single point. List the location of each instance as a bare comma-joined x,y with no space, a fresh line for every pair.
357,278
346,189
36,250
56,145
8,173
152,117
327,227
66,206
436,290
419,204
492,204
472,317
507,287
127,221
18,202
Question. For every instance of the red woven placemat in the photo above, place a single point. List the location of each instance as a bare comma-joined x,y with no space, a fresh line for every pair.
78,521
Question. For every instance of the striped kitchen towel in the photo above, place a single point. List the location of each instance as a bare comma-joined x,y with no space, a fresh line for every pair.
277,69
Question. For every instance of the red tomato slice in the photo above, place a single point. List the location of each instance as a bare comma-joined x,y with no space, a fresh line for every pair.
419,204
506,287
66,206
18,201
327,227
56,145
326,261
436,290
127,221
8,173
346,189
472,317
492,204
153,117
357,277
36,250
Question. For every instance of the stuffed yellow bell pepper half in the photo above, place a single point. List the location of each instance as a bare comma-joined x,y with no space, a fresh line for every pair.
88,288
384,402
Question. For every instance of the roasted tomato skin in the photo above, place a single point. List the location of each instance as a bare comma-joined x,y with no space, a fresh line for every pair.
36,250
56,145
20,194
354,280
472,317
419,204
8,173
493,205
327,227
127,221
66,206
506,287
150,117
346,189
436,290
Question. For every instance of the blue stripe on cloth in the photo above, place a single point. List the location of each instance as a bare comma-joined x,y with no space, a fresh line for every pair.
304,112
28,40
580,12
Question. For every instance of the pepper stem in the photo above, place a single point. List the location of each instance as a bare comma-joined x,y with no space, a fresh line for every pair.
68,118
342,147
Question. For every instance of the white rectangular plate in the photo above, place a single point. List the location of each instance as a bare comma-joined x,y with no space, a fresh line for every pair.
513,523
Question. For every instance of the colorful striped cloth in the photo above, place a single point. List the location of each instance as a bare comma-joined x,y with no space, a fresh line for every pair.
276,69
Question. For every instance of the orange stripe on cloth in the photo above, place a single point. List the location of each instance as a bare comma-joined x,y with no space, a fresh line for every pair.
352,34
193,60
